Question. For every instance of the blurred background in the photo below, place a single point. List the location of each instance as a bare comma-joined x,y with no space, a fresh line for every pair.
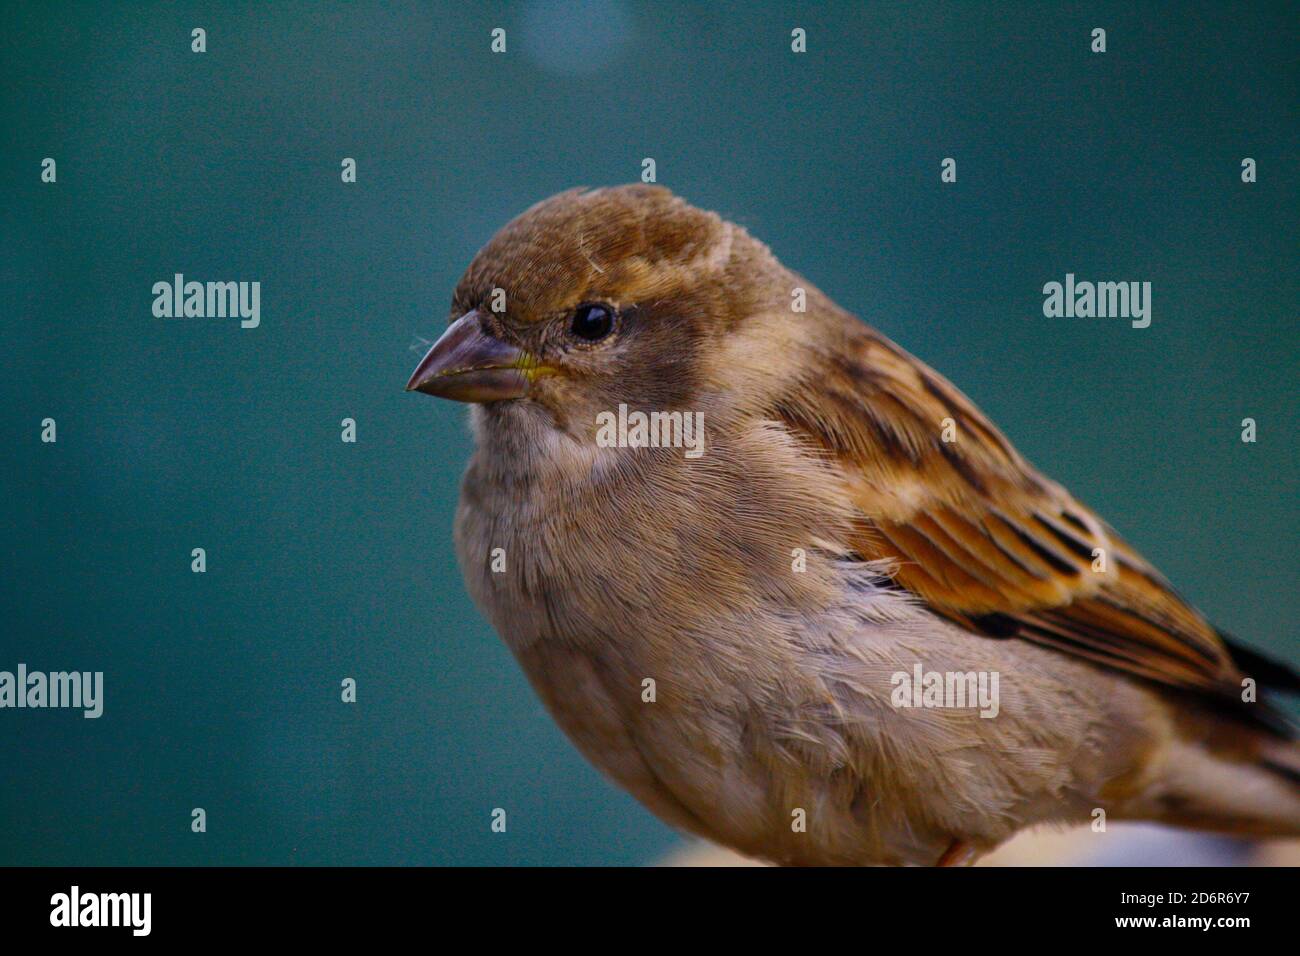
328,560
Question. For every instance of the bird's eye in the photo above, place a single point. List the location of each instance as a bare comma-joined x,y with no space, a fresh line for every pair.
592,322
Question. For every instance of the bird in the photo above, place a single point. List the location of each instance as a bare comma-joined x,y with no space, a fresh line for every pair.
734,636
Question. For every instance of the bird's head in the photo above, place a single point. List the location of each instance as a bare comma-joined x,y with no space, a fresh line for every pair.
592,299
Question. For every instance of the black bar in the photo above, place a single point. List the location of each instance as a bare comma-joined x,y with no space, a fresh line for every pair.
933,907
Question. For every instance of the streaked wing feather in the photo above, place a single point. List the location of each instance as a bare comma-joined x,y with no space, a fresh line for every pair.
981,536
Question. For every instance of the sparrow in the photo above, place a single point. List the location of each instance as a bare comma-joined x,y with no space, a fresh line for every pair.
724,635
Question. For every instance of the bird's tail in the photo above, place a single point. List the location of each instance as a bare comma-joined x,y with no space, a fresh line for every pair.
1249,788
1231,775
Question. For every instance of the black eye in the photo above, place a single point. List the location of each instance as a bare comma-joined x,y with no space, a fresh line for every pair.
592,322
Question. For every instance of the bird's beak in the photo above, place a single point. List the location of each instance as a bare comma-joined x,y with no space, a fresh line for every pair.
468,365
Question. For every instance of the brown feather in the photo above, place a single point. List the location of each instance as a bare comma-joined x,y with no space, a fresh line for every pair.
976,531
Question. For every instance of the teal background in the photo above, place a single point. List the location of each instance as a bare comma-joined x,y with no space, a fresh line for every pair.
328,560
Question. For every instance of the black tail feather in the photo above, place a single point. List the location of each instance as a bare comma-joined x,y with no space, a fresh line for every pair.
1266,671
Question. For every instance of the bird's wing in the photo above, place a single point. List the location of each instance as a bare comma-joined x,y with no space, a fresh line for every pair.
983,538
